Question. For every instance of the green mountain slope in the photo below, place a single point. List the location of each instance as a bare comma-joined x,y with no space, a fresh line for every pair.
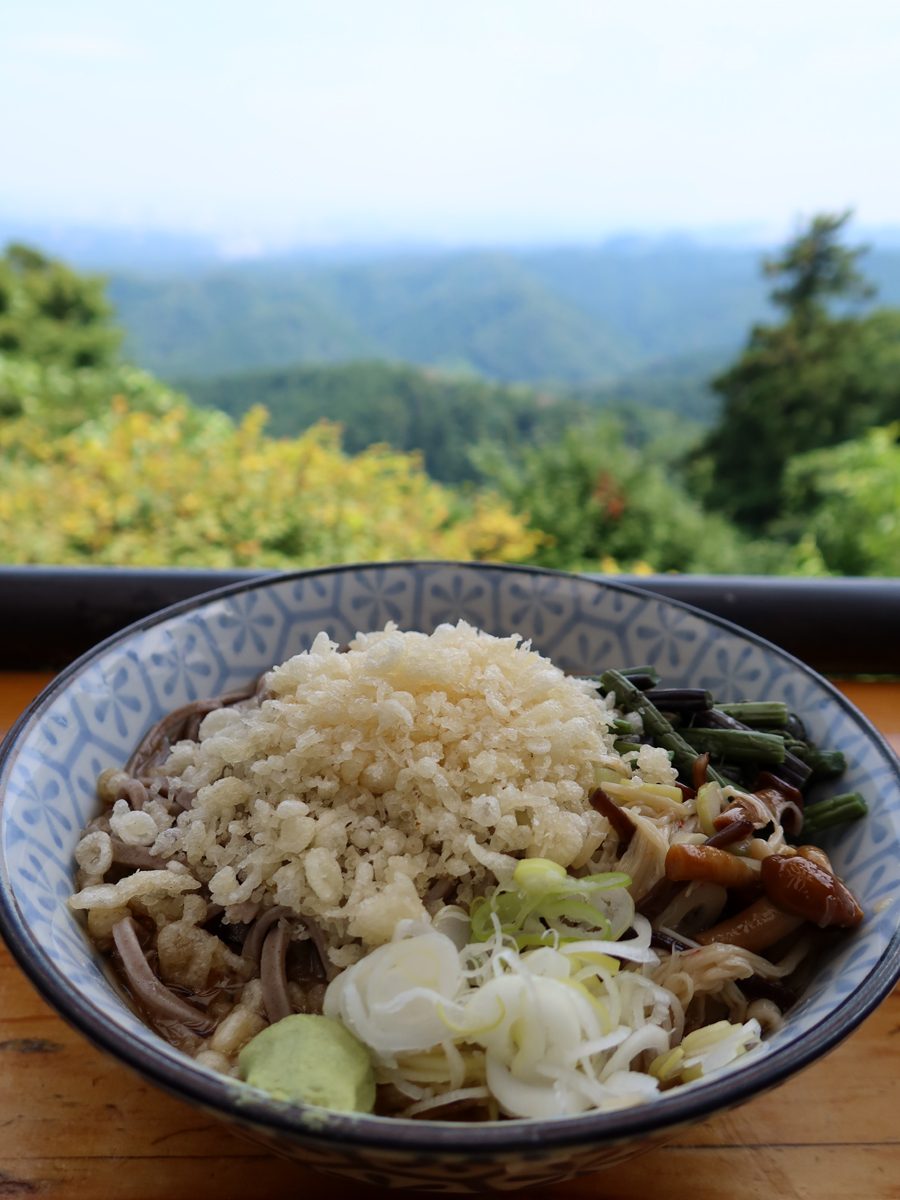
407,408
223,321
444,416
571,315
480,311
667,300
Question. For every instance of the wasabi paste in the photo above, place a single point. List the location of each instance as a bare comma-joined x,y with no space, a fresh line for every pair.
308,1059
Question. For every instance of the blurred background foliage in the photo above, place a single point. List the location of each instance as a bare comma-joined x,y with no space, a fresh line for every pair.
786,459
817,378
50,314
177,485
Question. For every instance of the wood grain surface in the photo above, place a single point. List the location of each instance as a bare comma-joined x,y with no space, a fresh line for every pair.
76,1124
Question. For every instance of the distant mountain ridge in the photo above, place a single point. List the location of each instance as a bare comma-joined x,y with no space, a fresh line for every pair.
565,316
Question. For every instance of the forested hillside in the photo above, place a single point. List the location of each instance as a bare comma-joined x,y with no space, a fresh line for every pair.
102,463
567,316
406,407
796,468
444,416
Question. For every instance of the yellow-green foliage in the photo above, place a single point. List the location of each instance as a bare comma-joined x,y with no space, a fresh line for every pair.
844,504
190,488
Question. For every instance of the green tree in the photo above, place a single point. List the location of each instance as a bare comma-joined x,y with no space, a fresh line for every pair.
52,314
603,504
59,348
815,379
816,268
845,502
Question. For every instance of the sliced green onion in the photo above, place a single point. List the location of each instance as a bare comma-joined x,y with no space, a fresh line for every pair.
545,905
574,911
537,876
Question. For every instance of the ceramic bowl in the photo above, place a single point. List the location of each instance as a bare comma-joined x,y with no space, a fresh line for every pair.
93,714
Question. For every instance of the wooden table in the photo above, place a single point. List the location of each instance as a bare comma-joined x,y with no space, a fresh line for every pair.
76,1124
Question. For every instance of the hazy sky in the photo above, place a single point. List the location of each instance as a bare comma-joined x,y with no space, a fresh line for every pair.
453,119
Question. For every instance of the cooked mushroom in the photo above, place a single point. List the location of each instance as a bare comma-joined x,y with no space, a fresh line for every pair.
784,801
709,865
756,928
619,820
802,887
734,831
818,856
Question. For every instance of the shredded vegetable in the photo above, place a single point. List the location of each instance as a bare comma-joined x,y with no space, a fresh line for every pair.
534,1010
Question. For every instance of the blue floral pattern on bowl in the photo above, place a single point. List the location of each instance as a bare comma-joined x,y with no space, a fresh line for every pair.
92,716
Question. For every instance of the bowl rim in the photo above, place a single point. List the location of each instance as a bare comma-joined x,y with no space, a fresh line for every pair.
236,1101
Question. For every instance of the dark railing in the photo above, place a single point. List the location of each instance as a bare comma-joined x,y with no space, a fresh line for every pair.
50,615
